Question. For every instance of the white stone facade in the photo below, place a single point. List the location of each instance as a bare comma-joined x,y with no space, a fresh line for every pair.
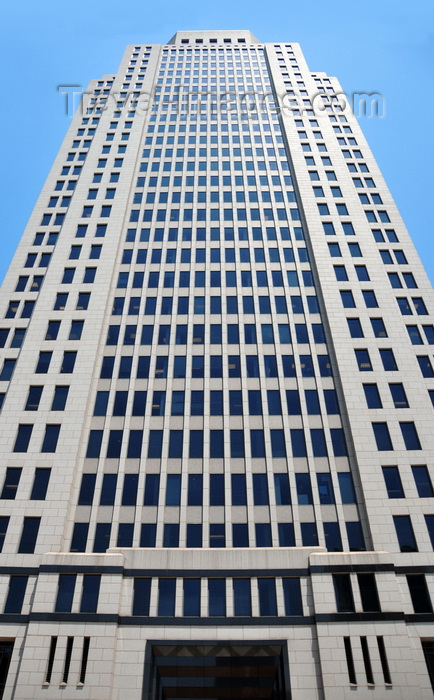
217,394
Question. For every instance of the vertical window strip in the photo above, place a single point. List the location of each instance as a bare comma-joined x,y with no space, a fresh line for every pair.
84,658
350,661
68,655
367,660
51,655
383,659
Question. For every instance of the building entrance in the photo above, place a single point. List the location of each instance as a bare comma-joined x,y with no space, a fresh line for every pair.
210,671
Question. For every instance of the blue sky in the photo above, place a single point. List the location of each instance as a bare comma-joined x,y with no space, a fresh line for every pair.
374,46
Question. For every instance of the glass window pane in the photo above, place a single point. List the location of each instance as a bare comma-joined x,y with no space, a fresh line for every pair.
217,597
166,597
292,596
142,595
404,533
191,597
90,594
267,596
242,597
65,592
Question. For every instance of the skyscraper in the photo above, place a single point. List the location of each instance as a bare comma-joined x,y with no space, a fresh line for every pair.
217,393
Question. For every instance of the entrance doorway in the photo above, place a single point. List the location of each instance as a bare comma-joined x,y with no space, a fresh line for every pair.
216,671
